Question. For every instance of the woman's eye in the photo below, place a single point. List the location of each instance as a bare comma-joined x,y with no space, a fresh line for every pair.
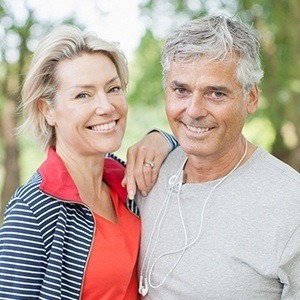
114,89
82,96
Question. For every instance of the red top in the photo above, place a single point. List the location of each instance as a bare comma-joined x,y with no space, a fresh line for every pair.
111,267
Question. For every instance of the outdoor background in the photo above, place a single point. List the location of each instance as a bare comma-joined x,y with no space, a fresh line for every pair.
141,26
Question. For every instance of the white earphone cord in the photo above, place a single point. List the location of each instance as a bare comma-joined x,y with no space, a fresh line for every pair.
143,283
143,288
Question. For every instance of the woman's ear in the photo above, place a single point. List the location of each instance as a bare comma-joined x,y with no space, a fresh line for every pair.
46,111
252,100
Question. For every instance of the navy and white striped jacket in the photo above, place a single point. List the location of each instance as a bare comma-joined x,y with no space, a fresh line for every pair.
47,233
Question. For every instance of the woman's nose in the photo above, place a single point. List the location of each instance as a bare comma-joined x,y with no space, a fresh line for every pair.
103,105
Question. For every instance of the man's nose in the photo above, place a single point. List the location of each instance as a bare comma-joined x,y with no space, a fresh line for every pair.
197,107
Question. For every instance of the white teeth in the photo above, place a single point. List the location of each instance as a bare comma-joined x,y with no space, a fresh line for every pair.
104,127
197,129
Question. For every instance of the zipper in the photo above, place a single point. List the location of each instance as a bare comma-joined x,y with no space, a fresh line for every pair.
89,254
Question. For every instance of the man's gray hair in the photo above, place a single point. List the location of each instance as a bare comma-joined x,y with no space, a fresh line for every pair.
216,37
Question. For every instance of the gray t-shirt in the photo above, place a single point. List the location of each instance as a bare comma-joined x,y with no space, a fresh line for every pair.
249,246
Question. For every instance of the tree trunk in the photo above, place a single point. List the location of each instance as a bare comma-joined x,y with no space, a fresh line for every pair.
11,160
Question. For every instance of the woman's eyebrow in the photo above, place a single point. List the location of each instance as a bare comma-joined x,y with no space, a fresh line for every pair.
113,79
90,86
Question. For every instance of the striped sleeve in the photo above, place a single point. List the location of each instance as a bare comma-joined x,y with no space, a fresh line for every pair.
113,156
22,253
173,143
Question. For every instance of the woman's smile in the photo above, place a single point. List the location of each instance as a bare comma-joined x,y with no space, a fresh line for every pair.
110,126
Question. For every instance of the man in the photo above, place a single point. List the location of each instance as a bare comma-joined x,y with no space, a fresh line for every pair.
223,220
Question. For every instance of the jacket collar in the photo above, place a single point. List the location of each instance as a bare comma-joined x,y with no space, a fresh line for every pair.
57,182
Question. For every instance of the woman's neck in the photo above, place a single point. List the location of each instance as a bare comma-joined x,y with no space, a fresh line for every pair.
87,174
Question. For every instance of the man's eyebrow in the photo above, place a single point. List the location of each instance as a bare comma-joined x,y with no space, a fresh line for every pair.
220,88
178,84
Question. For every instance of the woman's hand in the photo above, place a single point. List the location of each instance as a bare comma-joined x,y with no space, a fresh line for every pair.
144,160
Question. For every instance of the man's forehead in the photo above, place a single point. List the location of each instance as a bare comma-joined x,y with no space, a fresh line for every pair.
202,65
203,61
204,74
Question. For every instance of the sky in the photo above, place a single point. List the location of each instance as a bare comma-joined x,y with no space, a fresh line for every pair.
114,20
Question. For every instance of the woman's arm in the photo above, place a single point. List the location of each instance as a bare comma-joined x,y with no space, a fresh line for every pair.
144,160
22,253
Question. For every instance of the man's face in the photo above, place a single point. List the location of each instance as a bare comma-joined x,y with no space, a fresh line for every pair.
205,106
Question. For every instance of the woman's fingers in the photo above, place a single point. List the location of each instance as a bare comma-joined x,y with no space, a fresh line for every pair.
144,160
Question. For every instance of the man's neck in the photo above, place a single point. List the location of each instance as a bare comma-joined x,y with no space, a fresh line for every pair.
204,169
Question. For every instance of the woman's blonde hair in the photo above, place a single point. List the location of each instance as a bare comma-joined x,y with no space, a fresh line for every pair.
64,42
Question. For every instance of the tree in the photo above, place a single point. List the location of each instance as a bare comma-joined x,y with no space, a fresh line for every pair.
146,72
17,35
279,26
10,83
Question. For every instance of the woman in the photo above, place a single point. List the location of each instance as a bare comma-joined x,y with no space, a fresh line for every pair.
67,233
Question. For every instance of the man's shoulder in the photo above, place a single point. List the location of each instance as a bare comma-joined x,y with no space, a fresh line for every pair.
279,168
176,155
175,158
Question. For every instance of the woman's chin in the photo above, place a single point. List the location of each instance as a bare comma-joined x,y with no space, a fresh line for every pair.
113,148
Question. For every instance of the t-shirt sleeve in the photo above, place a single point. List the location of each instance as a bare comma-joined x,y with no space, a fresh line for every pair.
289,269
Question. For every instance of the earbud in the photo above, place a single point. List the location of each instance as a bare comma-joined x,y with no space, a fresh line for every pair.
172,179
144,292
143,286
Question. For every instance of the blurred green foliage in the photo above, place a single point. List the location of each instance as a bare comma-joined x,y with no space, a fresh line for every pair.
145,72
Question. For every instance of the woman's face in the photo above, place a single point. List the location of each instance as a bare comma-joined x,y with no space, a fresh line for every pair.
90,107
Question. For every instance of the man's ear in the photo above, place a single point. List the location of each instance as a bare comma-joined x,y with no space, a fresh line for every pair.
46,111
252,100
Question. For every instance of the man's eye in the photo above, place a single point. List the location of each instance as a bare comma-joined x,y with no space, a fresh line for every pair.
82,96
217,95
180,91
